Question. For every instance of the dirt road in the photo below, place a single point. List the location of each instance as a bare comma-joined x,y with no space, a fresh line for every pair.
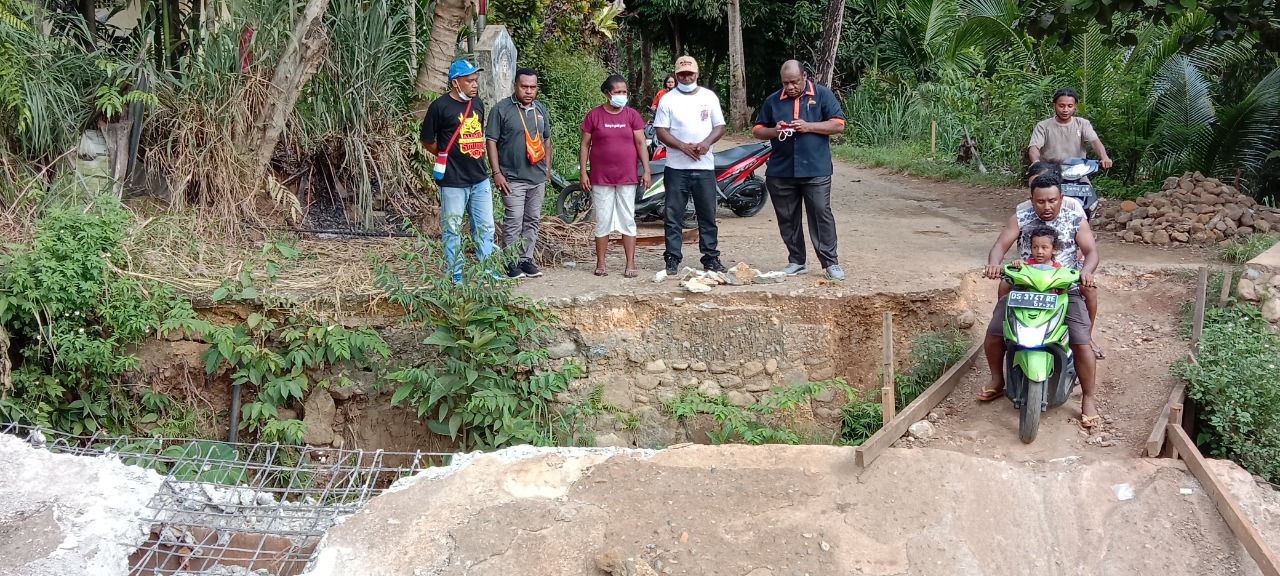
896,234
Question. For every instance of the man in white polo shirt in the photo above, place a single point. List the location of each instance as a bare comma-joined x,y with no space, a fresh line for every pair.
689,122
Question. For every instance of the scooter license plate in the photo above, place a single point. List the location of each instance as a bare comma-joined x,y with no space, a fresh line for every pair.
1034,300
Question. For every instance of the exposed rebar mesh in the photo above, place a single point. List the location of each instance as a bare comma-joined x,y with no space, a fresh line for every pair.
240,509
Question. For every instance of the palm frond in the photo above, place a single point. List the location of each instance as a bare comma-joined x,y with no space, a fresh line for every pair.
990,25
1247,131
1185,111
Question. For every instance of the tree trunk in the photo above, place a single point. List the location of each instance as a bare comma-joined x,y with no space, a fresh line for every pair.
433,75
830,42
413,34
88,10
296,66
675,37
646,67
737,74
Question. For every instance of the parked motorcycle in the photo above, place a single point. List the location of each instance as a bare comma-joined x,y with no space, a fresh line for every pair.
737,188
1074,182
1039,367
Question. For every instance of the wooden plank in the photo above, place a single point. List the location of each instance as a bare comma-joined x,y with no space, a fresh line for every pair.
1175,419
1155,442
917,410
888,400
1227,507
1197,326
1226,287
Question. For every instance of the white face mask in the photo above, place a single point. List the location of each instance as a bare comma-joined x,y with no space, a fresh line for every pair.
618,100
460,93
687,88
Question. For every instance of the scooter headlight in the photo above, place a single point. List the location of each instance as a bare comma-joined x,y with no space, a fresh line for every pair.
1030,336
1074,171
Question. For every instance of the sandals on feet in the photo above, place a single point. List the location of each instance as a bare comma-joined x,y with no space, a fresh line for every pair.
601,272
988,394
630,273
1088,422
1098,354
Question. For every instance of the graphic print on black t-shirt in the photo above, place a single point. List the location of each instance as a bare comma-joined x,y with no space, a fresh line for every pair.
466,166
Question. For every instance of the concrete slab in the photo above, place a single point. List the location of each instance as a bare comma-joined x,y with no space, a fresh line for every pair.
1268,261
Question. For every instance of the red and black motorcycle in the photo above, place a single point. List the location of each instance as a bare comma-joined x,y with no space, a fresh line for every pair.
737,187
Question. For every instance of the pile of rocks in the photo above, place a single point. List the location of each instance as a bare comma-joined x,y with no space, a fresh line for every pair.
1192,209
700,282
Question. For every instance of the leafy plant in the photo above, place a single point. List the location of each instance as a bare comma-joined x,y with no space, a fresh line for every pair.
932,353
72,317
860,418
763,422
279,358
490,382
576,418
1237,385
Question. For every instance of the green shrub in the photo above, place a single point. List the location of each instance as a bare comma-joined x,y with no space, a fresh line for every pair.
764,422
72,318
489,384
569,85
1241,251
1237,386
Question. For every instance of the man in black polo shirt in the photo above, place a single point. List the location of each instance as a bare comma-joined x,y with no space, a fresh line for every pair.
800,119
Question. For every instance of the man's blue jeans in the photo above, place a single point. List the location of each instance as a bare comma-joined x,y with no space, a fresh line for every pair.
478,200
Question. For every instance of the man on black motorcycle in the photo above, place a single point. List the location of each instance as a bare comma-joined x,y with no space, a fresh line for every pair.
1064,136
1079,251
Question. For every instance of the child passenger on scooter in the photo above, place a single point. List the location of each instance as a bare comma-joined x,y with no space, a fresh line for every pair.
1044,247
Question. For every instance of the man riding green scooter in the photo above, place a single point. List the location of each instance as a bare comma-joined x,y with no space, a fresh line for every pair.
1078,250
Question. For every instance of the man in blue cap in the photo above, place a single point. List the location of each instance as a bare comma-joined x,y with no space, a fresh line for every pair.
453,131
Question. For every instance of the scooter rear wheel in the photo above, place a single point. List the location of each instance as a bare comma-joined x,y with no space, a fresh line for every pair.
1029,414
573,204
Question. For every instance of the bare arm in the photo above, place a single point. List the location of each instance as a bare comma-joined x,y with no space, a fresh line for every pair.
1088,247
1033,152
642,152
1102,153
499,179
1004,242
431,147
548,148
762,132
665,137
583,154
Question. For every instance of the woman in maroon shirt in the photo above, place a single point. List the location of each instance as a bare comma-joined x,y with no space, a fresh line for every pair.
612,146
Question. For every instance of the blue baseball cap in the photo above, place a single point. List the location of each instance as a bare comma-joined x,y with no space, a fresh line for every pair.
462,68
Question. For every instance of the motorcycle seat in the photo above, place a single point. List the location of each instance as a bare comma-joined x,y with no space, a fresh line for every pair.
734,155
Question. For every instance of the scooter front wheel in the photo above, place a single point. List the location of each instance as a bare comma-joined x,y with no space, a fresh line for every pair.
573,204
1029,414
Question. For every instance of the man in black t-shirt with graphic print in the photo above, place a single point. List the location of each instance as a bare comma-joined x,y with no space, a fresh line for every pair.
453,132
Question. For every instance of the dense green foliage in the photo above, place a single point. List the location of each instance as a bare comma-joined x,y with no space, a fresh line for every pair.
765,422
1237,386
72,317
490,383
569,84
932,354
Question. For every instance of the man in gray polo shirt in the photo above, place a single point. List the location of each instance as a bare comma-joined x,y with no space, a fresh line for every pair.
518,138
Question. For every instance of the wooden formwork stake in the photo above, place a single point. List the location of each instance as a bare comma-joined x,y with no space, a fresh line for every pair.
1236,519
888,400
1175,419
1226,287
1197,325
933,138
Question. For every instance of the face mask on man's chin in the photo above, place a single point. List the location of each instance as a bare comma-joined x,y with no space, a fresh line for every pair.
687,88
461,94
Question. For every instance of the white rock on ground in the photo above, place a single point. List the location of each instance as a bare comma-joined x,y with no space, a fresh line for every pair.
69,515
921,430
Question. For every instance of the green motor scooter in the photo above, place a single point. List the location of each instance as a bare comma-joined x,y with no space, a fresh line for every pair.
1039,368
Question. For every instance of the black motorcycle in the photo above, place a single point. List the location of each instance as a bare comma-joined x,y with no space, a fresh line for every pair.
737,188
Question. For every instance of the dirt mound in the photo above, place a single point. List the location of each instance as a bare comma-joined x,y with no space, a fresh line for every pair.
1192,209
784,510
